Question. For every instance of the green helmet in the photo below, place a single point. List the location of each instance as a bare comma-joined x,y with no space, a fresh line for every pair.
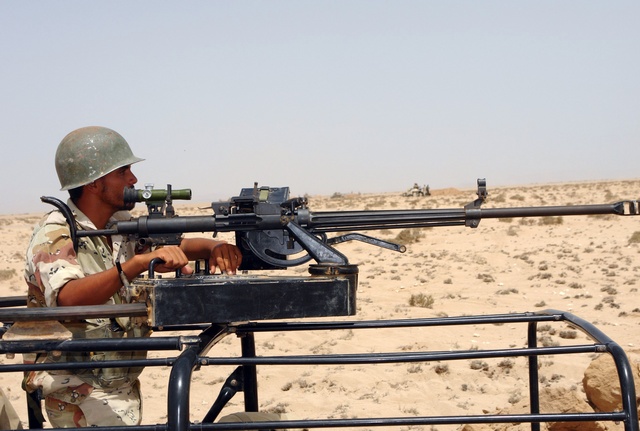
89,153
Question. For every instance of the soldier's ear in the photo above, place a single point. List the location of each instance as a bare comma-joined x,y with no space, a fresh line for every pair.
91,187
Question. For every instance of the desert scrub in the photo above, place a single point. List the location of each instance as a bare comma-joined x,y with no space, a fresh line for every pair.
526,221
506,365
421,300
541,276
506,291
412,369
544,328
487,278
550,220
441,368
409,236
602,217
547,341
568,334
477,364
515,398
7,274
279,408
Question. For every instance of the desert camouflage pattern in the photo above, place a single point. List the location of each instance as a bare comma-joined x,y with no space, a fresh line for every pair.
108,396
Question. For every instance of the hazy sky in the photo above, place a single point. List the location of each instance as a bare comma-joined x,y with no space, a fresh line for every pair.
323,96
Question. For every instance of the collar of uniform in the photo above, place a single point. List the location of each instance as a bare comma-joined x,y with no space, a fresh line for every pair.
85,223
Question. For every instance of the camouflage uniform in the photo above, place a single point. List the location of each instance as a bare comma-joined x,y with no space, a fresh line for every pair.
109,396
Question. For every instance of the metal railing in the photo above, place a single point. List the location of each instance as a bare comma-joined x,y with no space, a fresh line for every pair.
193,353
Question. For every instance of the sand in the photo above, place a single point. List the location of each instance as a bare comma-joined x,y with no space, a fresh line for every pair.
586,265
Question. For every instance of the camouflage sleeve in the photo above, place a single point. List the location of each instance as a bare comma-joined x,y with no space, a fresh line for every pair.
51,260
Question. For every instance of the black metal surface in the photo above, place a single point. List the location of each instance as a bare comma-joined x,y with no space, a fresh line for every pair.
208,299
96,344
249,374
179,389
13,301
534,402
71,313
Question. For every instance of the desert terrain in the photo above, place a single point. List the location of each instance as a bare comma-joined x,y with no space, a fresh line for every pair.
586,265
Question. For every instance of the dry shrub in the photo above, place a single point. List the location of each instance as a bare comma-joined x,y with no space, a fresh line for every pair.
421,300
635,238
550,220
409,236
7,274
569,334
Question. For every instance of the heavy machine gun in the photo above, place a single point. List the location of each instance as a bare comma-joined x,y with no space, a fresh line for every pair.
275,231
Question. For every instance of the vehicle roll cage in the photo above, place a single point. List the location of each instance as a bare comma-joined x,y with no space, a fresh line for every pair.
193,354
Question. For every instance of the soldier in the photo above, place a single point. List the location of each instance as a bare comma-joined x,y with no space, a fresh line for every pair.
94,165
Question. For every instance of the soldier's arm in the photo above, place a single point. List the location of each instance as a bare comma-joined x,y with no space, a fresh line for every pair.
96,289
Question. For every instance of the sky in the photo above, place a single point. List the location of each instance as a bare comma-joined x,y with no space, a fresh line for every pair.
323,96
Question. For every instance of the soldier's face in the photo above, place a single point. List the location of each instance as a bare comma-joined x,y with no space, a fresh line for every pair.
112,187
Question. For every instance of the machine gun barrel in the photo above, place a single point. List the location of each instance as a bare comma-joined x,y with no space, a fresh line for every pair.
340,221
617,208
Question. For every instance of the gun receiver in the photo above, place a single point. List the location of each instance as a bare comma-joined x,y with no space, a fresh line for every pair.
276,232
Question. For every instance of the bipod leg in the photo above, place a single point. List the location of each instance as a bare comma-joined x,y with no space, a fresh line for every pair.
233,384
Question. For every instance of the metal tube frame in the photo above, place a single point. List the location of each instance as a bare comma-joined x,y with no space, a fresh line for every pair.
193,349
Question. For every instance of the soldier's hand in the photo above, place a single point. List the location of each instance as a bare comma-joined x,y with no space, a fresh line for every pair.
225,256
173,257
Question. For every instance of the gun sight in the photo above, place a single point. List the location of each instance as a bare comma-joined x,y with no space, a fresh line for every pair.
155,195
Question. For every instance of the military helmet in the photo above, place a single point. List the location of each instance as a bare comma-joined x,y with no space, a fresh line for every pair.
89,153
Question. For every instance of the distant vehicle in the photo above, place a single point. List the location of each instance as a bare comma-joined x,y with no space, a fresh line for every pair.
417,191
